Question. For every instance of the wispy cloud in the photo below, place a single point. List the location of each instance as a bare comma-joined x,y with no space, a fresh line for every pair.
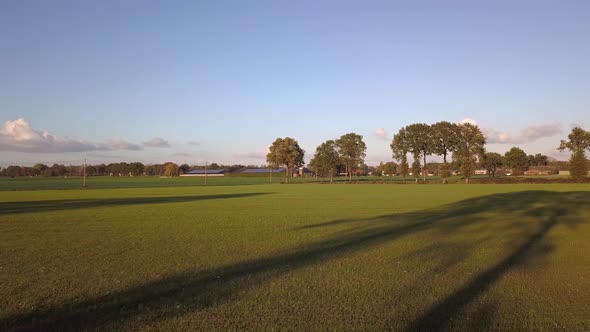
258,155
157,142
120,144
19,136
381,134
529,134
193,143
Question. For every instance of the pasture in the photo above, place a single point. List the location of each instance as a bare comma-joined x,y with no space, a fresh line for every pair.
260,256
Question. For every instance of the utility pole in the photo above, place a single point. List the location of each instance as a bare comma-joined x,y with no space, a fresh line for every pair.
84,174
205,173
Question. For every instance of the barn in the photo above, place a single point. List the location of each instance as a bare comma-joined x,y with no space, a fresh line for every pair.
262,170
202,172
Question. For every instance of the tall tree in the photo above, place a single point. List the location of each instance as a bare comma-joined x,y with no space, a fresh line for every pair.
389,168
470,147
285,152
420,143
578,141
538,160
352,150
184,168
170,169
517,160
445,136
491,162
400,148
326,159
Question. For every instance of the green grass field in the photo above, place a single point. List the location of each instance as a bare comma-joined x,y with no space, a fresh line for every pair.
297,257
107,182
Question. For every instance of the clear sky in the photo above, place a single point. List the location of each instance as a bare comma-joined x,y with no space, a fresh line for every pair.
195,81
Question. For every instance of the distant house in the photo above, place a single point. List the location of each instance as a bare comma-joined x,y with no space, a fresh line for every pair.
542,170
202,172
481,172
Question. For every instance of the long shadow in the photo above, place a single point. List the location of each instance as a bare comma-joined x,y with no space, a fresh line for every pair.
439,316
7,208
195,290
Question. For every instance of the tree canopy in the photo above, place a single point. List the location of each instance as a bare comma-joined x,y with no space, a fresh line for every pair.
352,150
578,141
517,160
420,143
491,161
326,159
399,148
470,148
285,152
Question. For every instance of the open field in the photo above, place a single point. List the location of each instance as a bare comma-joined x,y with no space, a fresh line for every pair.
476,257
107,182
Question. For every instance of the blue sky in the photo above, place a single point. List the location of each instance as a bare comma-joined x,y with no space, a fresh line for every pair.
195,81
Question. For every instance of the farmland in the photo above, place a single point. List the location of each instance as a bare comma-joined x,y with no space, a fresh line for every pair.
270,256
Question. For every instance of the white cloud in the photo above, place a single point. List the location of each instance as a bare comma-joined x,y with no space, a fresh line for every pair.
380,133
19,136
157,142
469,120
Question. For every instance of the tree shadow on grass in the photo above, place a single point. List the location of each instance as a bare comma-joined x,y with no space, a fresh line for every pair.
194,290
7,208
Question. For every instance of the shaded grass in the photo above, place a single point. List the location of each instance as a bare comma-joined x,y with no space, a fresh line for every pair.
374,257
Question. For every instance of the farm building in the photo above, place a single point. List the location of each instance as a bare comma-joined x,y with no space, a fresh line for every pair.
542,170
481,172
262,170
202,172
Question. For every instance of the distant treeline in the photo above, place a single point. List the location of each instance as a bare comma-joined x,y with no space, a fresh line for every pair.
112,169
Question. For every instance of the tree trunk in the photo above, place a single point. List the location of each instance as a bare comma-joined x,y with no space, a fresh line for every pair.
466,180
287,174
445,163
424,168
331,177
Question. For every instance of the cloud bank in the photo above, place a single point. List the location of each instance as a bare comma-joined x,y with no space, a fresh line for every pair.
19,136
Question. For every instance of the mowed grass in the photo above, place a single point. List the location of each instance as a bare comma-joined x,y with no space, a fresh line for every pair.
113,182
369,257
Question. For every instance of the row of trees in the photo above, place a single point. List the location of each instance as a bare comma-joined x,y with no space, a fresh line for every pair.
346,153
462,144
332,156
462,147
465,142
112,169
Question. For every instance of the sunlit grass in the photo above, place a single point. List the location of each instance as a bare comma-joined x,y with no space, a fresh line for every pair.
477,257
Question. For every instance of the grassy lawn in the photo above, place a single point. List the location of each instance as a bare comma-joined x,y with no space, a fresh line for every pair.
371,257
